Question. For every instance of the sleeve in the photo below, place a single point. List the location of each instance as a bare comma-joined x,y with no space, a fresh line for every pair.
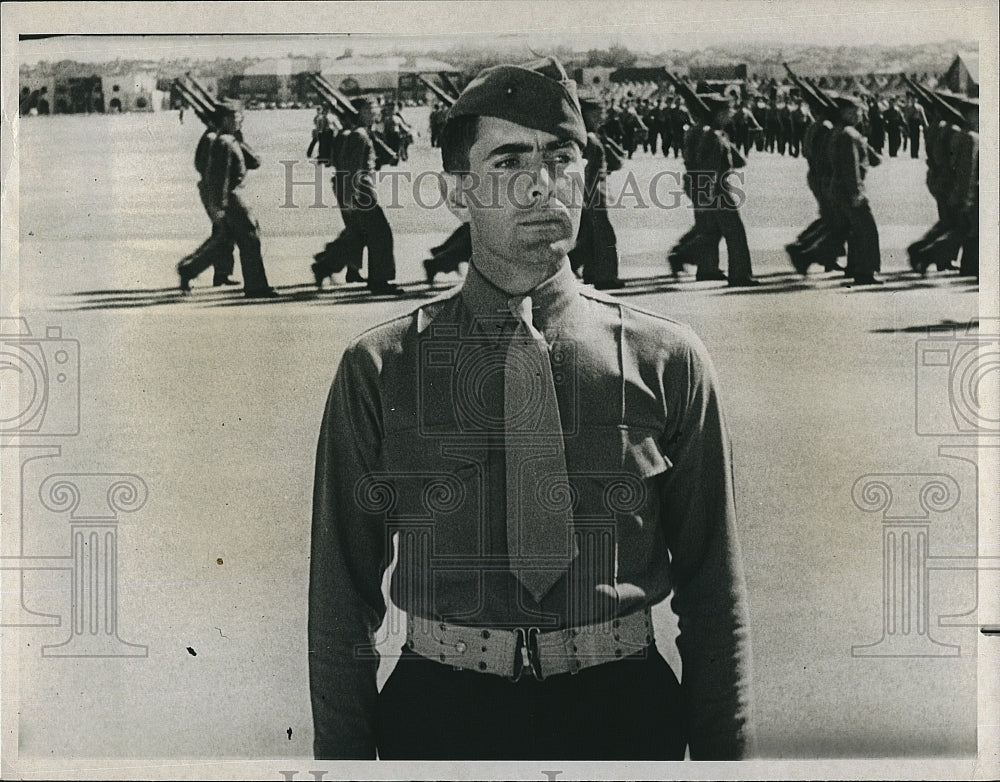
710,600
347,563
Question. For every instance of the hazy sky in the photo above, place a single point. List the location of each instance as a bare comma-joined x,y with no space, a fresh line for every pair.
643,26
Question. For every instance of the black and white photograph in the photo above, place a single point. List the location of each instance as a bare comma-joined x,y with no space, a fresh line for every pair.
500,390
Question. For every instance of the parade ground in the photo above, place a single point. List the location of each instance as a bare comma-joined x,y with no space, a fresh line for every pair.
856,485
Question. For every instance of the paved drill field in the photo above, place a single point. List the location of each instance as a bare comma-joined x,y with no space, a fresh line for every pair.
214,403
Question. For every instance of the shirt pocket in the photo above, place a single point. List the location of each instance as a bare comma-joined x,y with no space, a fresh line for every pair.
435,492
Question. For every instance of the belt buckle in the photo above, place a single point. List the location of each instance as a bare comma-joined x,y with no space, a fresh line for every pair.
526,653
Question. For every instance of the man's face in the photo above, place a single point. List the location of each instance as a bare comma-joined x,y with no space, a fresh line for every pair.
524,199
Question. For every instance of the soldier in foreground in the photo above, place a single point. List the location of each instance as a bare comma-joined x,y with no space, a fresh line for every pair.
565,465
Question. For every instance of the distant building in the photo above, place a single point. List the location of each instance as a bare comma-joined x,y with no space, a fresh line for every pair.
963,75
135,91
36,94
719,73
78,95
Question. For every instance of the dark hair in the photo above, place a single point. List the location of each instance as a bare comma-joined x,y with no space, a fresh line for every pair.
456,140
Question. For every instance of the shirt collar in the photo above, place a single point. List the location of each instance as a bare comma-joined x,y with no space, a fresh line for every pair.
550,300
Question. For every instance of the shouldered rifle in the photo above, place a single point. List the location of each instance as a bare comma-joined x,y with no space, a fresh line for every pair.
449,84
203,110
447,99
348,115
819,102
933,104
694,102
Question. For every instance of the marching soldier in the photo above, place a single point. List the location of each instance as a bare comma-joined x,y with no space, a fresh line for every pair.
229,160
916,120
596,249
894,126
850,158
953,181
365,224
218,248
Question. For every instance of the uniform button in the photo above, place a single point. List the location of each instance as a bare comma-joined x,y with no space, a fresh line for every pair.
410,644
442,657
616,623
485,649
460,647
618,652
482,666
486,633
617,637
649,639
443,626
575,649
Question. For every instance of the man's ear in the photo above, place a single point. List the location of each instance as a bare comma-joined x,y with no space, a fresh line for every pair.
454,192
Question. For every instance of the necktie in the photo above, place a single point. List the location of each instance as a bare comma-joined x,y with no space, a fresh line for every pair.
539,508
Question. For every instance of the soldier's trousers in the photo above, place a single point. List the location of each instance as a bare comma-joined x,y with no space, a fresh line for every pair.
863,255
596,247
914,130
238,226
216,249
895,138
454,250
364,227
724,223
629,709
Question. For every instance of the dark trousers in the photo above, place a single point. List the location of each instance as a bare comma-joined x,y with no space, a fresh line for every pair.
596,247
239,227
895,138
454,250
724,223
914,140
215,251
863,255
629,709
363,227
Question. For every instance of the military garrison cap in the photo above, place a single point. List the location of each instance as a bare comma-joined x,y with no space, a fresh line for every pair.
538,95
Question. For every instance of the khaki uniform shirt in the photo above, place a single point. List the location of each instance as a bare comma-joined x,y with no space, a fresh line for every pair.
412,444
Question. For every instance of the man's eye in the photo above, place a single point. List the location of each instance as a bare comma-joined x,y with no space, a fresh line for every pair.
508,163
561,159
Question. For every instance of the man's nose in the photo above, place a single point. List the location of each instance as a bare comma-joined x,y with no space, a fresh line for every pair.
542,176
